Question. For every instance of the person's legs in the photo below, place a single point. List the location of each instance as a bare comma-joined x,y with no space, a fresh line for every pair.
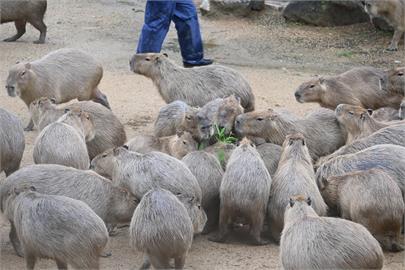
158,15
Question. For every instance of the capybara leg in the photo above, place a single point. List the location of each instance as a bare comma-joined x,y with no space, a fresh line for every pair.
159,262
40,25
99,97
15,241
212,219
223,227
20,26
255,230
61,265
146,263
30,261
179,262
395,40
275,232
30,126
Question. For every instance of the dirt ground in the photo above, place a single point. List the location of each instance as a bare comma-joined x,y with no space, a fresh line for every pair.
273,55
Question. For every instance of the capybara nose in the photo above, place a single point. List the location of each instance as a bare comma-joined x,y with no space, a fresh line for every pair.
9,87
297,95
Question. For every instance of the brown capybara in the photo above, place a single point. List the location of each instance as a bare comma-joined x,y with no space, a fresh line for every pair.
22,11
109,133
392,11
363,86
195,86
270,154
244,193
294,175
321,129
371,198
64,74
309,241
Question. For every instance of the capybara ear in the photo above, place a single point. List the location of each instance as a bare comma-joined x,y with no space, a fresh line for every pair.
370,111
321,80
292,202
165,54
125,146
309,201
28,65
53,100
66,110
179,133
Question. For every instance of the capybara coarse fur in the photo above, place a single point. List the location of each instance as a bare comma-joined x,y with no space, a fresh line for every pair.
371,198
320,128
208,172
22,11
140,173
59,228
177,145
386,114
103,164
357,121
396,80
222,151
270,154
294,175
363,86
109,131
309,241
12,142
64,74
195,86
162,229
113,204
244,193
64,142
386,157
176,116
393,12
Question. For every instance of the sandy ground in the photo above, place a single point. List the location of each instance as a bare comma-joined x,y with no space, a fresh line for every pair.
273,55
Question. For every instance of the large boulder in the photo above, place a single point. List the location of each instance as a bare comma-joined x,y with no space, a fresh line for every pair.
325,13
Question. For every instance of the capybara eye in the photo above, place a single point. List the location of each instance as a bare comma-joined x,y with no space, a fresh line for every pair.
147,59
312,86
188,118
351,113
103,156
23,73
400,73
259,119
184,142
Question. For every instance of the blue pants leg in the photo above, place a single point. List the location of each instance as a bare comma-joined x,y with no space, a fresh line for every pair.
188,30
158,15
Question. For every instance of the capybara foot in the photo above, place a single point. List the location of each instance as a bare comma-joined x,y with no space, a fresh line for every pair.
260,242
395,247
39,41
106,254
392,48
219,238
10,39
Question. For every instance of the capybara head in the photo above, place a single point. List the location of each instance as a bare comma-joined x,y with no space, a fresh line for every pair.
375,7
20,78
190,122
88,126
227,113
146,63
39,106
294,146
184,144
310,91
103,163
122,205
296,207
353,118
255,123
396,80
78,118
195,211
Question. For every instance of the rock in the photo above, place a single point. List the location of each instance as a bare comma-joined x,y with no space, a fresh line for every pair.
233,7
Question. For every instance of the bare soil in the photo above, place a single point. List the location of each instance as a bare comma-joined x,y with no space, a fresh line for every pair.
275,57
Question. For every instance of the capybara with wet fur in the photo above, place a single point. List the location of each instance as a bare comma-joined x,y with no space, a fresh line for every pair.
270,154
195,86
208,172
244,193
393,12
177,145
64,142
371,198
58,228
140,173
109,131
12,142
22,11
309,241
113,204
162,229
64,74
386,114
320,128
363,86
176,116
294,175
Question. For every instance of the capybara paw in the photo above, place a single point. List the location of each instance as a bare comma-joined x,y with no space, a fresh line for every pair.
39,41
396,247
392,48
9,39
106,254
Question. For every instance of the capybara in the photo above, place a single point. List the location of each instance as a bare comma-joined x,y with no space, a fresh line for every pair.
64,141
371,198
270,154
357,121
113,204
294,175
195,86
103,164
222,151
309,241
22,11
176,116
386,114
386,157
64,74
394,134
139,173
208,172
402,110
12,142
363,86
396,80
244,193
58,228
177,145
162,229
109,131
320,128
392,11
